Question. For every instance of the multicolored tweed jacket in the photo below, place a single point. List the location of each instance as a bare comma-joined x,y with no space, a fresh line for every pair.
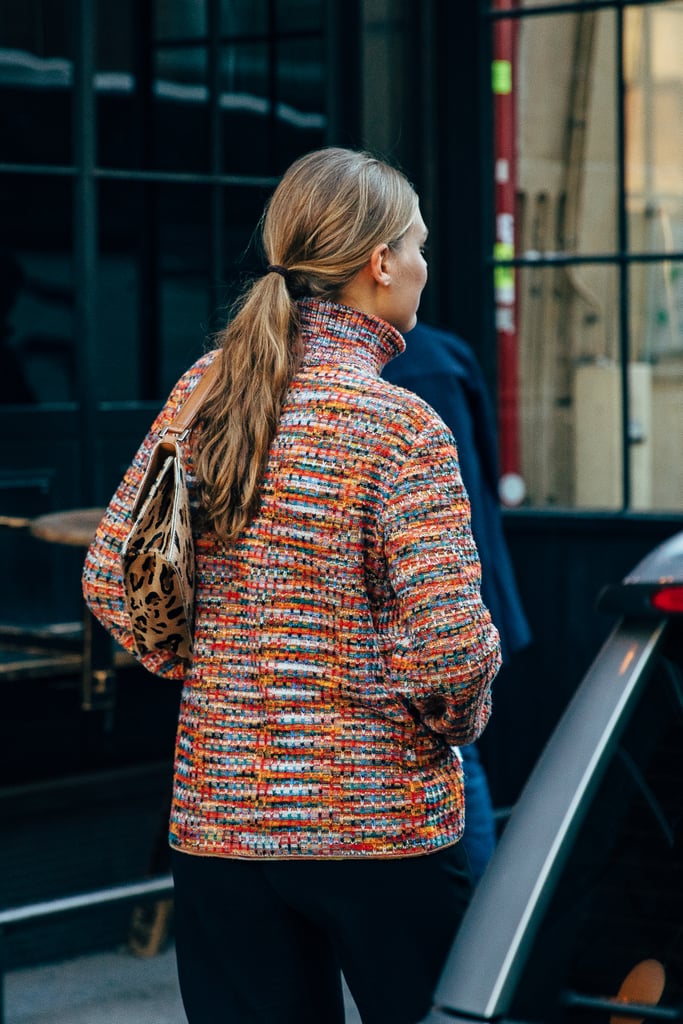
341,645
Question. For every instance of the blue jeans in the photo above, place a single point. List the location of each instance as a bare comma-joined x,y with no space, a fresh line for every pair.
479,839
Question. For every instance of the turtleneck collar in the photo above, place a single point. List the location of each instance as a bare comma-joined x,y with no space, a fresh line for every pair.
339,336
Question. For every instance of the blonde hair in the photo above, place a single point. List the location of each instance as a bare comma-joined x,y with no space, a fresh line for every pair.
330,210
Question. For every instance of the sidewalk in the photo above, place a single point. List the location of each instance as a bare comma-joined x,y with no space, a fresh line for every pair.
105,988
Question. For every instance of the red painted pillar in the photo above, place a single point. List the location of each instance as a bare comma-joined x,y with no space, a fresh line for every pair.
504,85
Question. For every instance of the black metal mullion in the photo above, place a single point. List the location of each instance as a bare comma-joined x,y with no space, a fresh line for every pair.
58,170
567,260
272,86
578,6
187,178
488,325
149,302
624,264
343,49
231,39
160,177
217,196
85,241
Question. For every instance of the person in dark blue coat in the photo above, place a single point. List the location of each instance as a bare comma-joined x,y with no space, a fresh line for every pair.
441,368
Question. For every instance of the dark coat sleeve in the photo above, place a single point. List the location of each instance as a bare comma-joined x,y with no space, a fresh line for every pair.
442,369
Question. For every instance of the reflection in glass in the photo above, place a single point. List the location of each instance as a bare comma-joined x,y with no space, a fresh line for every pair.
253,17
150,88
244,17
653,44
556,193
38,353
565,152
181,21
153,292
656,295
36,77
570,386
242,254
570,392
245,70
154,117
182,266
159,298
299,16
268,122
155,106
300,75
124,214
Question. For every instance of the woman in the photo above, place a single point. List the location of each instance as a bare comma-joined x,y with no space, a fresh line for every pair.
340,645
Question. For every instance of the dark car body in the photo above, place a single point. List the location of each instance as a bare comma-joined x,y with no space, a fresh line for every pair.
582,903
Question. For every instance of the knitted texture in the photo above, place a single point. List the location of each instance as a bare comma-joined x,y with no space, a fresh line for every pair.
341,644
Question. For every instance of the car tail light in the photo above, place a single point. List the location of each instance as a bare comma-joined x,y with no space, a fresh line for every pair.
668,599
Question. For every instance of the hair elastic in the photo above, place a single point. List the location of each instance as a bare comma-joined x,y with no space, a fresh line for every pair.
275,268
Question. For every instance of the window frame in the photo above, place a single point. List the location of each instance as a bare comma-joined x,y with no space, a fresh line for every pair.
338,27
622,259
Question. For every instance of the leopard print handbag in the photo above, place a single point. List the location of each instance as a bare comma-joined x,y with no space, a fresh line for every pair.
157,557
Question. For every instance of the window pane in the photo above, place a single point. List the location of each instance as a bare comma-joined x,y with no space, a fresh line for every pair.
250,17
244,17
301,120
247,122
244,69
153,295
656,295
184,275
38,357
278,127
300,75
182,21
123,244
299,16
158,296
555,144
242,254
180,110
36,76
156,117
654,121
154,103
568,403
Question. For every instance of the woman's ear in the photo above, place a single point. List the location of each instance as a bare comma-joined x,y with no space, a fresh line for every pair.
379,264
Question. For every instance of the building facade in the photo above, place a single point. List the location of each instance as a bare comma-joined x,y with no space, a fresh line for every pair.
140,142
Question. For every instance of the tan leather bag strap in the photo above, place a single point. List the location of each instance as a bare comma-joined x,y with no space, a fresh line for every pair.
184,417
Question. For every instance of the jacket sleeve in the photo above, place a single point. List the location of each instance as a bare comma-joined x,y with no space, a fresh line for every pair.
444,650
102,578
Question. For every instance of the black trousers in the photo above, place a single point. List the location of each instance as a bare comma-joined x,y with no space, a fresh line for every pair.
265,943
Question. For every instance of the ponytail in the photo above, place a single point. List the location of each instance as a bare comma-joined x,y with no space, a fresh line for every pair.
260,355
